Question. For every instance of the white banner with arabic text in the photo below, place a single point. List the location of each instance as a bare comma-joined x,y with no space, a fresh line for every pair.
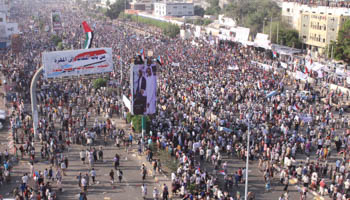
77,62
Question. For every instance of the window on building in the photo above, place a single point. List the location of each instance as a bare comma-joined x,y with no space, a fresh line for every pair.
1,19
288,9
332,29
329,13
304,36
190,12
169,13
184,7
175,7
324,40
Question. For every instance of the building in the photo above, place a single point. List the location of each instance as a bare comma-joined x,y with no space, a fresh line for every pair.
103,3
317,25
146,5
7,29
174,9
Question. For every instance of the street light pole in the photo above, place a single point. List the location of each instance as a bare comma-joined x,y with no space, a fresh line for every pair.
264,27
124,11
247,162
277,32
271,29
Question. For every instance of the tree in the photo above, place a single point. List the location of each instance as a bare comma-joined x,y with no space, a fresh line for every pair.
56,39
199,11
100,82
202,22
286,35
290,37
116,8
171,30
252,13
214,8
342,46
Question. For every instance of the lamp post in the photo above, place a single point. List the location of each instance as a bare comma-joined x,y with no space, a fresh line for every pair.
247,158
264,25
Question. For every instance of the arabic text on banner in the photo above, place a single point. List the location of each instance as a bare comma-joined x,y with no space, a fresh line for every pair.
77,62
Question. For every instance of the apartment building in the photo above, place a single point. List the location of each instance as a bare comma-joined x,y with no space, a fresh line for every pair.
318,25
174,9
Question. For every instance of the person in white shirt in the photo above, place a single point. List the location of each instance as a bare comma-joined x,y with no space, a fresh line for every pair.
82,156
151,85
155,193
25,179
93,175
144,191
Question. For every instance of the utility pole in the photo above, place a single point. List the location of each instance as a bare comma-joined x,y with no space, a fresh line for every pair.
271,29
332,52
264,27
124,11
278,24
247,161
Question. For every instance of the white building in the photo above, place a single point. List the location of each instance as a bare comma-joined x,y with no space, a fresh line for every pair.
292,11
174,9
7,29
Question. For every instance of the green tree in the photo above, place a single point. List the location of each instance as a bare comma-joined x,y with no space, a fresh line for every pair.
342,46
60,46
116,8
202,22
168,29
252,13
214,8
289,37
286,35
199,11
100,82
56,39
171,30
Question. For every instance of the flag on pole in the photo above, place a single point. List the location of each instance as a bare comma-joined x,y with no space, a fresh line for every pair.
160,61
274,54
89,35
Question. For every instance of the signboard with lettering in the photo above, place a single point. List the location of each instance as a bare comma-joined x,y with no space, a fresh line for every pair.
77,62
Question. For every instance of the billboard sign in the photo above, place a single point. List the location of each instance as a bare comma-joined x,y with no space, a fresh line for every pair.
143,89
77,62
56,20
16,43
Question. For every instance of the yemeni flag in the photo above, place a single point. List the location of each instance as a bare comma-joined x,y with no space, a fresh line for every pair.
89,35
274,54
296,107
160,61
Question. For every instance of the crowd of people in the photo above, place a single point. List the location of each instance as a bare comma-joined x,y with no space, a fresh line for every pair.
205,113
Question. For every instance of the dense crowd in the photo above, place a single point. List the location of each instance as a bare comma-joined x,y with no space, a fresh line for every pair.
205,109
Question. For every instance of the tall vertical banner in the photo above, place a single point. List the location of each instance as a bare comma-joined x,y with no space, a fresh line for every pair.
143,79
77,62
16,43
56,21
